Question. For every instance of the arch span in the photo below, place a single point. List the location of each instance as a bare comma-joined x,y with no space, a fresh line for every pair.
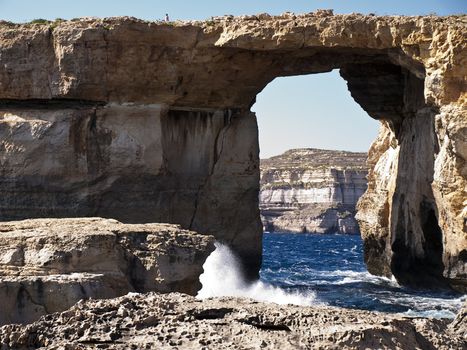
151,122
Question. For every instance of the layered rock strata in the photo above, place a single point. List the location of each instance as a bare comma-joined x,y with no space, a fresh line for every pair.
47,265
149,122
312,190
179,321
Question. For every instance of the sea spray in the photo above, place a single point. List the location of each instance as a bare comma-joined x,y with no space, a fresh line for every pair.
223,277
328,269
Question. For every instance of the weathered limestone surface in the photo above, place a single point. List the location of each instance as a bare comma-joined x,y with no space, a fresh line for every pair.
174,320
150,122
312,190
311,218
135,163
459,325
47,265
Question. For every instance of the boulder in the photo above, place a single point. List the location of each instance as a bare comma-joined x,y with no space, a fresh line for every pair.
47,265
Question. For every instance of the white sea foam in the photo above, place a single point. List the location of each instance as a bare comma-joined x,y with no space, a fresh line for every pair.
223,277
430,313
349,276
428,306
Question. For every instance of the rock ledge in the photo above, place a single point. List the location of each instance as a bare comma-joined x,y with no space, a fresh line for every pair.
47,265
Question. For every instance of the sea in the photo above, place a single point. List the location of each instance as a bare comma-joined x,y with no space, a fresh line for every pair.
321,269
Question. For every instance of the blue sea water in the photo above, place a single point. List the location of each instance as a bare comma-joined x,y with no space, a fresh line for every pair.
331,268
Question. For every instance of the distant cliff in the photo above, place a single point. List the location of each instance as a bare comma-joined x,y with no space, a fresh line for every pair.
312,190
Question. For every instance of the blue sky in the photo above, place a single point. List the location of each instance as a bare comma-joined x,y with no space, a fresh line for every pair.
305,111
25,10
311,111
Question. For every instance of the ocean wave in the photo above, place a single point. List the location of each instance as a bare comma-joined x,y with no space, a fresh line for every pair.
429,313
349,276
427,305
311,277
223,277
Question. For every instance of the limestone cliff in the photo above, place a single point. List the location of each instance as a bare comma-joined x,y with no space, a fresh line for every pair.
312,190
47,265
149,121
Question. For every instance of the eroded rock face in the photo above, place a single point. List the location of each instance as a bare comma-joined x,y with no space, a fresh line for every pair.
134,163
406,232
175,320
459,325
312,190
311,218
47,265
192,156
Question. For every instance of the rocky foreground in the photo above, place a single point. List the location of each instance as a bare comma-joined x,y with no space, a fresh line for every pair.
47,265
312,190
179,321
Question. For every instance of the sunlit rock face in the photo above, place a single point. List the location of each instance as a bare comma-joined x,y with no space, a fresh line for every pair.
135,163
151,122
47,265
312,190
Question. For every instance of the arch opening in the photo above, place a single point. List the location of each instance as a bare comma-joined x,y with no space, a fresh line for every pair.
307,267
313,143
389,89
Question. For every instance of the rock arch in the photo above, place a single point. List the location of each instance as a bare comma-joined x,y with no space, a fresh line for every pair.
151,122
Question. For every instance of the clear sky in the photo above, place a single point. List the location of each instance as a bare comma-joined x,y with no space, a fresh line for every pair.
305,111
311,111
26,10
